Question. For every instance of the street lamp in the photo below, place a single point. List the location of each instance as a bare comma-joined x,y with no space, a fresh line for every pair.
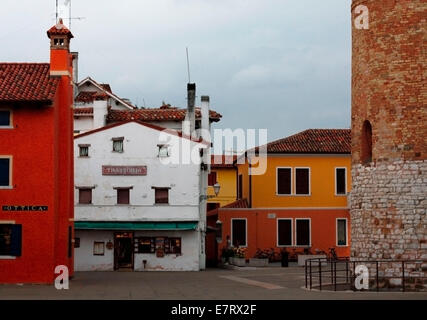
216,188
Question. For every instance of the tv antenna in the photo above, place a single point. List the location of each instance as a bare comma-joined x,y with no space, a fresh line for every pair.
70,17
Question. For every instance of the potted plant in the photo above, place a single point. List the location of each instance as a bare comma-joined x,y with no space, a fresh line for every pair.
239,257
227,255
260,259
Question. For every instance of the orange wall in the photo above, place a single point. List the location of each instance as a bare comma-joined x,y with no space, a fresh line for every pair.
322,182
226,177
262,231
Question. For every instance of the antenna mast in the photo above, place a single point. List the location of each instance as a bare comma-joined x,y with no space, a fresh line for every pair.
188,66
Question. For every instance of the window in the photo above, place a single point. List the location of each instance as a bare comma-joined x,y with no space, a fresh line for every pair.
238,232
342,232
10,240
303,232
340,181
153,244
284,181
84,150
5,172
98,248
85,196
5,118
302,181
76,242
240,187
123,195
366,143
118,144
161,195
212,178
163,150
284,232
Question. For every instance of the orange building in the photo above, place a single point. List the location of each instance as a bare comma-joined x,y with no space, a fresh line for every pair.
36,165
299,202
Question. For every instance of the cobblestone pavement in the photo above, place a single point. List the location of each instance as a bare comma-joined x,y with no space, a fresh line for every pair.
212,284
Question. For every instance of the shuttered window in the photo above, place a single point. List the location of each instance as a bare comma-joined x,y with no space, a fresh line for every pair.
303,232
302,181
123,196
10,240
212,178
284,180
238,232
161,195
5,172
85,196
284,232
340,183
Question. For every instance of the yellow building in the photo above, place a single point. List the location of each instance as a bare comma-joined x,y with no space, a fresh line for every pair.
311,169
223,172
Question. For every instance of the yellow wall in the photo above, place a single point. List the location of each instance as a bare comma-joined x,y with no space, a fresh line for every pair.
226,177
322,181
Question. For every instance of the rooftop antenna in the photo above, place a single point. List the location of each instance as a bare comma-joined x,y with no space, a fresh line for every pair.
65,2
188,66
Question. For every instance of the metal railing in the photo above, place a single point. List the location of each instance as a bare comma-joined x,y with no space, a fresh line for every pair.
340,274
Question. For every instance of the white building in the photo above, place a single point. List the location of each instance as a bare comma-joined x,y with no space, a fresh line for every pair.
140,201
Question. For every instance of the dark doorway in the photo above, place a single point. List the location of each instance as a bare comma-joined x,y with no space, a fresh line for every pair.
123,250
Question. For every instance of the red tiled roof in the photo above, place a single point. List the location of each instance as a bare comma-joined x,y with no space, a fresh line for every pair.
314,141
159,114
27,82
85,96
78,111
241,203
59,29
106,87
222,161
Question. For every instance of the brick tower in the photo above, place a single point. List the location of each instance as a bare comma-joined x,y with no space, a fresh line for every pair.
389,132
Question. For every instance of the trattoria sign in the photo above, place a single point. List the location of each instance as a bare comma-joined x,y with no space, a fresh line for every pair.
124,170
24,208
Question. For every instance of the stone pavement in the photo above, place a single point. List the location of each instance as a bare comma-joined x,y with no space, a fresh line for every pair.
213,284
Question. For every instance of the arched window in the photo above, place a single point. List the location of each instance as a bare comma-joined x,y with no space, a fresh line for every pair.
366,143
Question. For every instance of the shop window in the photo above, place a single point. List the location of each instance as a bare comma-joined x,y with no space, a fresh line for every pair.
84,150
238,232
284,181
85,196
10,240
5,118
342,232
145,245
161,195
212,178
98,248
174,245
340,181
302,181
123,195
284,232
118,144
5,172
303,232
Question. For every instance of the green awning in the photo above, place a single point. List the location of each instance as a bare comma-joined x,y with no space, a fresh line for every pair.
112,225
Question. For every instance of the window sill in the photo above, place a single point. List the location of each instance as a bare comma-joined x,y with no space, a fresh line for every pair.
7,257
161,204
293,195
6,187
6,127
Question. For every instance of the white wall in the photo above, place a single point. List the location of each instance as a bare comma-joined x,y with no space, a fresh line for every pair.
187,261
84,260
140,148
83,123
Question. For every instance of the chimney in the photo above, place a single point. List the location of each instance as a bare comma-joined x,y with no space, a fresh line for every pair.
60,58
191,97
205,118
100,110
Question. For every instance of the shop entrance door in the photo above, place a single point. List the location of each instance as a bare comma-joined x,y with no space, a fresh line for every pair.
123,250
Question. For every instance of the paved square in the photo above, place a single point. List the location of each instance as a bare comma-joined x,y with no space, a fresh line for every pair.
272,283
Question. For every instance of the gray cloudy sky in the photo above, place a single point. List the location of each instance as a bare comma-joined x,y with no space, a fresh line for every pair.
284,65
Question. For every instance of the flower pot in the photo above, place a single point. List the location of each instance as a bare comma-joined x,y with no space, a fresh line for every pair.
255,262
240,262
